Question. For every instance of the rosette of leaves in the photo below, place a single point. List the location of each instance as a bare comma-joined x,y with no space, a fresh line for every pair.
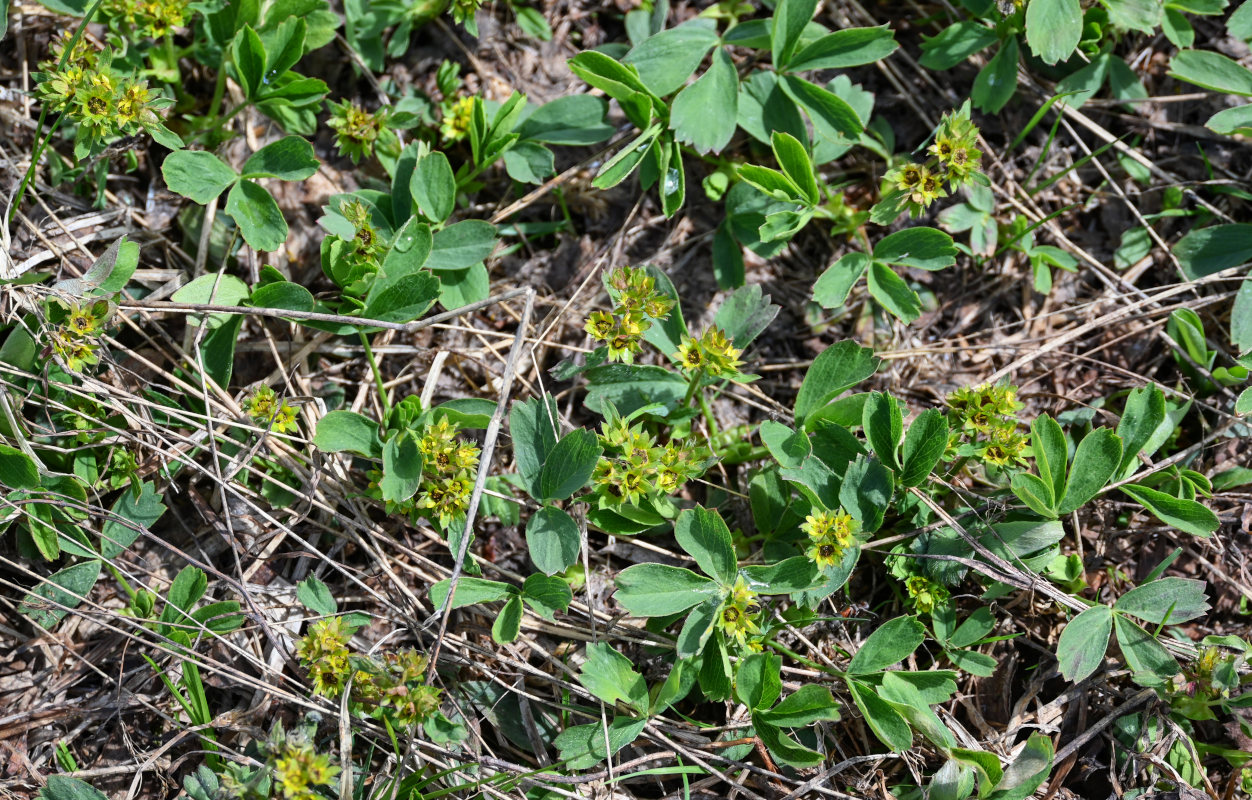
919,248
261,63
671,593
650,83
202,177
422,257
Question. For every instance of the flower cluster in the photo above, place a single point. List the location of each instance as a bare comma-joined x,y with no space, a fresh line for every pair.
925,594
830,533
635,468
638,305
447,466
457,115
391,687
984,424
266,410
104,104
712,353
737,617
356,130
353,263
324,653
150,19
955,160
298,768
74,335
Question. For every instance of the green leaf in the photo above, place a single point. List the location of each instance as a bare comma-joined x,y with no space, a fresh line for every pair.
832,287
808,704
17,470
462,244
553,539
790,19
1095,461
576,119
63,787
658,590
703,114
402,468
796,164
954,44
884,425
631,387
1231,121
1053,28
1241,318
850,47
66,587
1136,15
316,596
348,431
529,162
665,61
460,288
1027,772
583,746
611,676
434,188
402,300
1036,493
997,81
141,512
1144,654
1186,515
1081,647
470,591
921,247
570,464
1210,250
1047,440
509,623
290,158
532,426
745,314
704,535
924,445
791,575
1213,71
910,704
891,643
546,595
772,182
866,492
892,293
1143,414
1165,601
197,175
248,60
257,215
835,370
621,165
833,117
788,447
758,681
782,748
697,628
283,295
886,723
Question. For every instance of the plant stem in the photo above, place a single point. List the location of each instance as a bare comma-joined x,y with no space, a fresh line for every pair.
708,416
378,376
691,388
43,113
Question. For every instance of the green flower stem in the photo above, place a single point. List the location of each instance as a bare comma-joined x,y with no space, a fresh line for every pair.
117,575
708,416
693,386
378,376
773,645
43,114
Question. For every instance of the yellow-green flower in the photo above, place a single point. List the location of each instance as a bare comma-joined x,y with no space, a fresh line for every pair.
456,120
600,325
690,355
